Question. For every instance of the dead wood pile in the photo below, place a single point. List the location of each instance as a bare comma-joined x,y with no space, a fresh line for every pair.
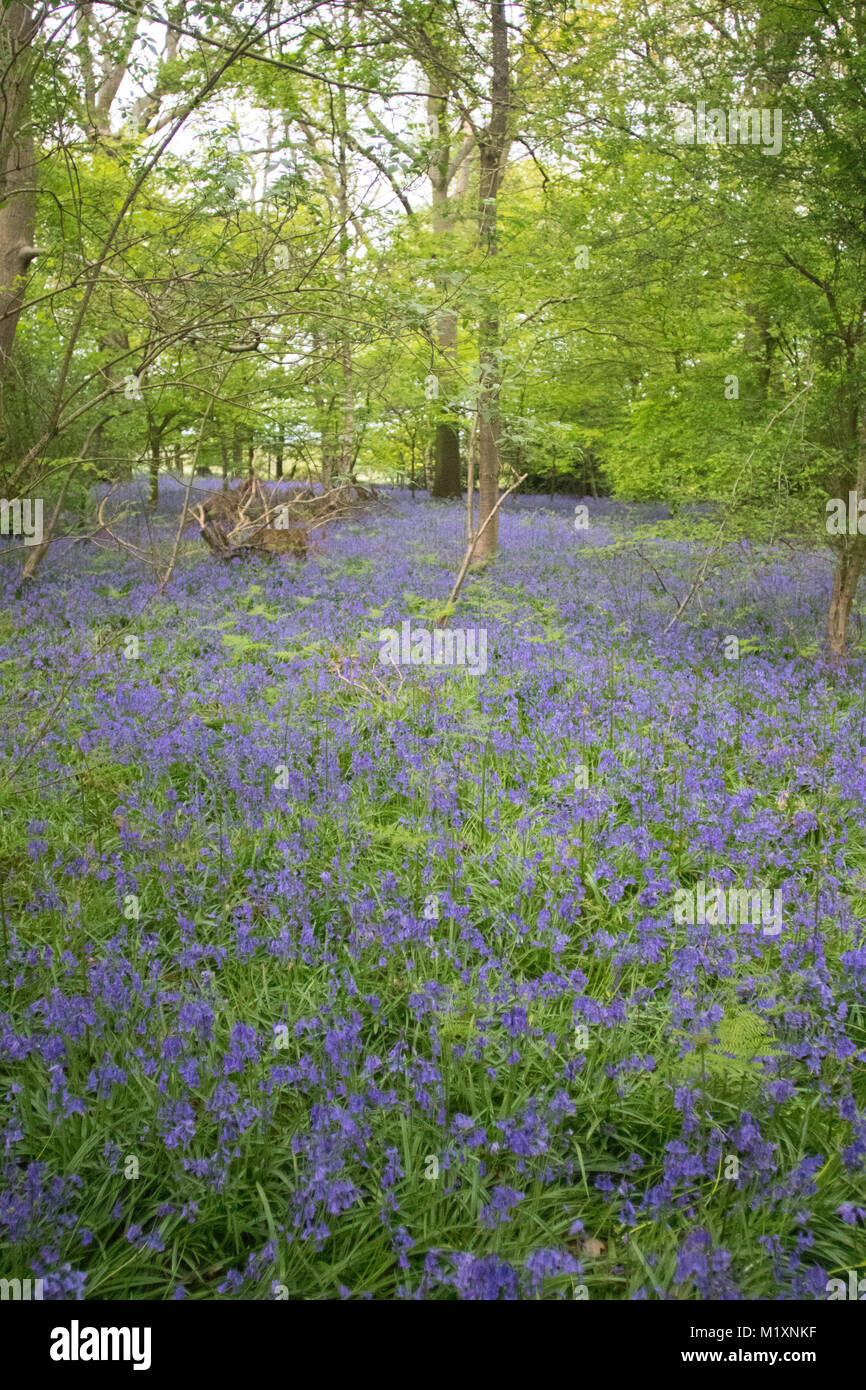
257,518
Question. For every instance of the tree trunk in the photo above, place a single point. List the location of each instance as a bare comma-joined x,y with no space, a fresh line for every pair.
17,171
852,549
446,447
347,370
153,495
493,145
330,460
488,438
428,467
225,456
775,70
852,558
758,345
592,481
446,461
489,383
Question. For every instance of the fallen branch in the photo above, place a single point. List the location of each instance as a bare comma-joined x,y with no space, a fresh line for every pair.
253,518
470,551
384,693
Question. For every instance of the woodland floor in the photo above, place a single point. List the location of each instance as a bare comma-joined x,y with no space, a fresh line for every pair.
329,979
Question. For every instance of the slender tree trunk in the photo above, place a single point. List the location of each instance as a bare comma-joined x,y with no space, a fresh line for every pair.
224,450
493,146
330,460
849,568
116,340
446,438
758,345
155,440
428,467
36,556
347,434
17,173
470,481
852,549
489,386
324,419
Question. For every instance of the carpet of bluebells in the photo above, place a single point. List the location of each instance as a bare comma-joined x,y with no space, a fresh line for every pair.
324,979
